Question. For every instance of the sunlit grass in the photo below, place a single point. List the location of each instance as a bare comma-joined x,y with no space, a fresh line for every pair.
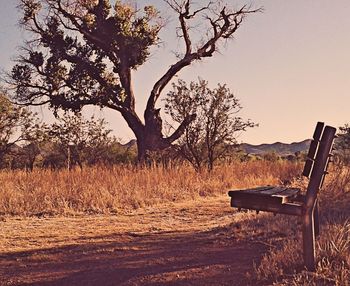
111,190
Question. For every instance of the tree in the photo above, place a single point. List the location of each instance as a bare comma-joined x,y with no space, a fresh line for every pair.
83,52
114,153
17,125
342,144
212,135
30,153
80,139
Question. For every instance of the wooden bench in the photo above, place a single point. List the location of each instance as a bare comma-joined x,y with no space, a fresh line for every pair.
290,201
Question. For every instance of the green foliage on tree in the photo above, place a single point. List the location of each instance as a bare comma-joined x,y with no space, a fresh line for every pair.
115,153
80,140
17,126
271,156
342,145
83,53
212,134
72,140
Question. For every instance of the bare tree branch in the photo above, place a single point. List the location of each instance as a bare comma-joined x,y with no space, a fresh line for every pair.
181,129
222,27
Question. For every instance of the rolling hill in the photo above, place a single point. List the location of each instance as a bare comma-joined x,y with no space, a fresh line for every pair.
279,148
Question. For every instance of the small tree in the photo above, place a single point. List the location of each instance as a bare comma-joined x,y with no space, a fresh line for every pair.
342,144
212,135
79,139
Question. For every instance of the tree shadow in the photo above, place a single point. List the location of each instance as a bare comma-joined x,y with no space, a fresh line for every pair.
165,258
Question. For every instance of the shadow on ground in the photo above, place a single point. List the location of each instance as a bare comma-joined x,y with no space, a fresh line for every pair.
165,258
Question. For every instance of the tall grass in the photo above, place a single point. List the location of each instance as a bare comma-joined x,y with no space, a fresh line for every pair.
111,190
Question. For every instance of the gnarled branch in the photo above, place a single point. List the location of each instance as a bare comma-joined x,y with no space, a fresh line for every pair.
223,25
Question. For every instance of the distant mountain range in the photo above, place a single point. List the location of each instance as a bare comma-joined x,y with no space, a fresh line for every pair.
282,149
279,148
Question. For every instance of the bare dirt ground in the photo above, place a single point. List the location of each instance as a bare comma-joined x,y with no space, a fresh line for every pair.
194,243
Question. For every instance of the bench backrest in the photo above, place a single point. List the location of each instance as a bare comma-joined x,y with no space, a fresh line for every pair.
317,160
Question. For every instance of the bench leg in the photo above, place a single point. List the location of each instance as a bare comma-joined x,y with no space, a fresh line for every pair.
308,241
316,220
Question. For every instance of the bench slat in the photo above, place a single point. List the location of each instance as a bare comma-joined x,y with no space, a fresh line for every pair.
245,199
308,168
281,191
318,131
313,149
274,191
269,204
266,190
288,192
254,189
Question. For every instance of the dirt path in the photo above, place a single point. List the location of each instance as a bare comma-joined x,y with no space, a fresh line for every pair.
195,243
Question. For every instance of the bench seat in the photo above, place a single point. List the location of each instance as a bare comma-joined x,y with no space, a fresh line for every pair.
278,199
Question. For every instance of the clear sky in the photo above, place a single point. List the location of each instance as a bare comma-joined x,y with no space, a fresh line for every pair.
289,66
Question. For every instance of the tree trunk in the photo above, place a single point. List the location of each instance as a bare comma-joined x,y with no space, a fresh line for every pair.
141,151
148,135
150,140
68,158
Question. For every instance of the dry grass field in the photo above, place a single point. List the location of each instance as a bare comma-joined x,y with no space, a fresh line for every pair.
118,189
156,226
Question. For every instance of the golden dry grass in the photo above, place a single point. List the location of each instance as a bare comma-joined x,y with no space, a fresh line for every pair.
113,190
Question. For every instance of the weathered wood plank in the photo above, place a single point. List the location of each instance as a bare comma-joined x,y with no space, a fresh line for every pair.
252,189
274,191
318,130
313,149
308,232
275,196
270,191
288,195
261,191
319,167
316,220
289,192
288,208
247,198
308,168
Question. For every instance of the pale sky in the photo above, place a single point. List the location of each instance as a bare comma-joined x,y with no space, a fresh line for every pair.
289,66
